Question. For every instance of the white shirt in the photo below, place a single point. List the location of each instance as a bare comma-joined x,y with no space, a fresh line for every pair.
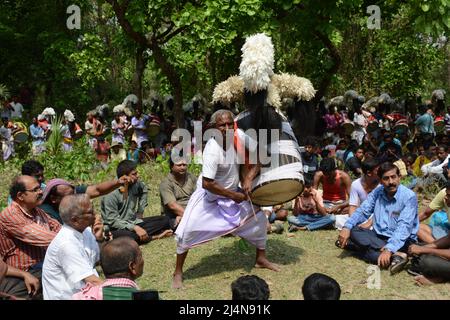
435,167
220,166
70,258
357,193
18,109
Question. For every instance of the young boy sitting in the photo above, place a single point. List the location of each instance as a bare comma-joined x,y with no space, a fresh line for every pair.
309,212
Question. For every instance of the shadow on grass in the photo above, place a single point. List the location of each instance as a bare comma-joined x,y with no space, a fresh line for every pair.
231,258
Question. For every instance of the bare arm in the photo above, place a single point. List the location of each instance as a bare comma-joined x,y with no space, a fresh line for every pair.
248,175
106,187
425,214
93,280
176,208
213,187
31,282
351,209
317,177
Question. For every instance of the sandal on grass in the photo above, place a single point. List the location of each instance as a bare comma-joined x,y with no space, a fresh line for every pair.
397,264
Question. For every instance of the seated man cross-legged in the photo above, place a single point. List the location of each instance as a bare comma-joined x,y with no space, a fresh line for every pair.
123,209
395,223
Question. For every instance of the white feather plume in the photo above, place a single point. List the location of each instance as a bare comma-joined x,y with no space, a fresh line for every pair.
68,115
257,63
131,98
294,87
229,91
438,94
273,96
49,112
119,108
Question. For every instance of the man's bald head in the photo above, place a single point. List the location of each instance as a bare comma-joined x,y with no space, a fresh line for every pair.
117,255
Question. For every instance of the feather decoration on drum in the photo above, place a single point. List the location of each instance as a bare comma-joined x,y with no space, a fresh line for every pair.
349,96
261,92
49,112
438,95
371,104
384,98
130,101
257,63
336,102
68,115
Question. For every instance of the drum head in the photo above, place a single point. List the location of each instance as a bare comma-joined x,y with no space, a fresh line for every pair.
276,192
20,137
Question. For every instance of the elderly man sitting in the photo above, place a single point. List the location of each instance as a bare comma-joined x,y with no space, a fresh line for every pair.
71,257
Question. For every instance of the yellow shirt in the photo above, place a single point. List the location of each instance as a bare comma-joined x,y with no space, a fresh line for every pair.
420,161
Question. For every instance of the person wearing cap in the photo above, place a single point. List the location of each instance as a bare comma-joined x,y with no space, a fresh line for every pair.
175,191
57,189
118,153
123,210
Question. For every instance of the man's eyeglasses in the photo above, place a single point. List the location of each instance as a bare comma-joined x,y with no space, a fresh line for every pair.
34,189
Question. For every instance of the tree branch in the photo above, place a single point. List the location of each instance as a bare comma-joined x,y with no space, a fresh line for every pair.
126,25
332,70
173,34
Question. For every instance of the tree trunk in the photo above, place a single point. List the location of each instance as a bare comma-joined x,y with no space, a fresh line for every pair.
326,80
175,80
138,74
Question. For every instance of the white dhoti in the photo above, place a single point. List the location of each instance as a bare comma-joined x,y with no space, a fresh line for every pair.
207,217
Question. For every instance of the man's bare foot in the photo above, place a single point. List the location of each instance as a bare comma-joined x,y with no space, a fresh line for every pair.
264,263
164,234
177,281
424,281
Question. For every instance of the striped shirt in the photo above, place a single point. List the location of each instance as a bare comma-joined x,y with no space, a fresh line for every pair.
24,237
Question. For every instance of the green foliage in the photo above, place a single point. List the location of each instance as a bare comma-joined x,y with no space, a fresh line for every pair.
53,145
77,165
4,92
92,61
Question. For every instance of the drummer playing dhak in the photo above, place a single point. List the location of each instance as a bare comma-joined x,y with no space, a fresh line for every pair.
218,207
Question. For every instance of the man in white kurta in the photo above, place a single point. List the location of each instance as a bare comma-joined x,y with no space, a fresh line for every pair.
218,207
71,257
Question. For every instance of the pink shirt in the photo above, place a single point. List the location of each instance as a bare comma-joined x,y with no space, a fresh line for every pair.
91,292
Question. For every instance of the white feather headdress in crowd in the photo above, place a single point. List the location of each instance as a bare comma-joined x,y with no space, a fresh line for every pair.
121,108
49,112
131,98
257,63
438,94
68,115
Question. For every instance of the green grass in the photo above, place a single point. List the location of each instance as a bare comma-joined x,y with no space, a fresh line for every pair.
211,268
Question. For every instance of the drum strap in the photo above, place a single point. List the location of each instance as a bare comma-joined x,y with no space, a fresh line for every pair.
241,151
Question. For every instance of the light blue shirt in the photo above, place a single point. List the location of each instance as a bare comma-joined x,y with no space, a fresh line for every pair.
394,218
425,123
